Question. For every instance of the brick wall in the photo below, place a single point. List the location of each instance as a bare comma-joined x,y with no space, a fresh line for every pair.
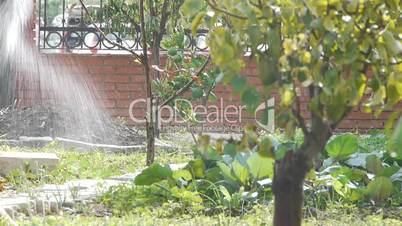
117,80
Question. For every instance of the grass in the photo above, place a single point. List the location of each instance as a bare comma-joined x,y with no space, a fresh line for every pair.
167,215
84,165
98,165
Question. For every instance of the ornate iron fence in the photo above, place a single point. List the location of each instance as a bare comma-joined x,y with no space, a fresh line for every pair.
67,29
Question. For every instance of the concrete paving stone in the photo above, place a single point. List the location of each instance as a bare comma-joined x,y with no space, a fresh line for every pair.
52,187
125,177
177,166
28,139
83,184
46,206
88,195
51,198
109,183
8,212
19,201
10,161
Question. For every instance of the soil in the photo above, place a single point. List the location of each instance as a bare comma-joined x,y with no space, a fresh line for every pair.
59,121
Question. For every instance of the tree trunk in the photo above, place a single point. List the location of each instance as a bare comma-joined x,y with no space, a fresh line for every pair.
156,61
288,189
149,119
291,171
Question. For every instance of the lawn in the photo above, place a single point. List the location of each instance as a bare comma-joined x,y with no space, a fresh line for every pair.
84,165
127,206
260,215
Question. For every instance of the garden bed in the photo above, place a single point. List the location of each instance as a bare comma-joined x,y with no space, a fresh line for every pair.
146,209
59,121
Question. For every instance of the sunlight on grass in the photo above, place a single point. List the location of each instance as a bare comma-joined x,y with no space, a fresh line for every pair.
84,165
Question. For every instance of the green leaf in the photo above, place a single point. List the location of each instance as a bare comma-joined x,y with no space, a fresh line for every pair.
342,147
395,142
226,172
185,195
251,98
197,168
213,174
266,148
197,92
379,189
394,89
261,167
196,22
182,174
349,173
172,51
389,171
230,149
254,35
352,53
268,69
329,23
274,43
239,83
225,192
240,172
373,164
394,46
191,7
358,159
153,174
283,148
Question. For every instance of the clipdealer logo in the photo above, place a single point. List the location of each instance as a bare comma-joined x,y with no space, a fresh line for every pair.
219,113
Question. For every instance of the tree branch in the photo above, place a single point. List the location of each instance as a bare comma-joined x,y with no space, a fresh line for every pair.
335,124
138,57
396,63
216,8
297,113
187,85
164,18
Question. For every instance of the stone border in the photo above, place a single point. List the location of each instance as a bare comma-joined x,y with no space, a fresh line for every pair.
50,198
42,141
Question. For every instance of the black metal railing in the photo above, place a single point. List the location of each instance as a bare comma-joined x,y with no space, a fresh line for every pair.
64,26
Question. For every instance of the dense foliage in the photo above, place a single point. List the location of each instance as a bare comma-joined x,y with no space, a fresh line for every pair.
166,32
344,54
233,176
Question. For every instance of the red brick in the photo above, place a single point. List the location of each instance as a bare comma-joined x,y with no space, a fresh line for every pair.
360,115
138,79
137,95
130,87
219,88
117,95
101,70
117,61
91,60
97,78
119,112
117,78
370,124
254,81
123,103
136,70
107,104
109,87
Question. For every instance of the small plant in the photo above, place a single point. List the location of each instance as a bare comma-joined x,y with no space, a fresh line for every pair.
356,175
233,176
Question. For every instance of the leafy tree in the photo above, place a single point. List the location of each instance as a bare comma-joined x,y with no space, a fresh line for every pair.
129,18
345,54
150,22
